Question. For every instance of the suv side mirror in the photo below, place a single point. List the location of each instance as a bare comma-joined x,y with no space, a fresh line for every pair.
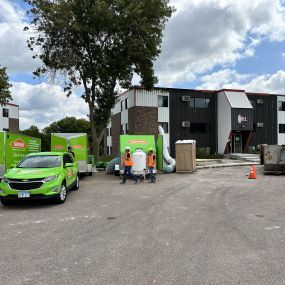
68,165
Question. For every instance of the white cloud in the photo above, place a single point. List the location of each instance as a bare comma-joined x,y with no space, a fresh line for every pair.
43,104
269,83
203,34
14,52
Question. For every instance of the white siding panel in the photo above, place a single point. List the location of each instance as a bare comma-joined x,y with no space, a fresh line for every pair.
13,112
224,122
163,114
117,108
148,98
109,141
4,123
124,117
131,101
281,120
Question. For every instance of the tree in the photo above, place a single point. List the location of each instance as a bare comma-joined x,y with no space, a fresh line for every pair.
33,131
5,94
66,125
98,43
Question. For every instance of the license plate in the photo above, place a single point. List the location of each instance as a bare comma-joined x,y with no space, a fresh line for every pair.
23,194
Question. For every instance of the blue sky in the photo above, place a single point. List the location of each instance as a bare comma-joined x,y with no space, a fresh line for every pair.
208,44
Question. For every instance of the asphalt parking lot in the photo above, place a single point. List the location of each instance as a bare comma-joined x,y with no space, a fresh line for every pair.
211,227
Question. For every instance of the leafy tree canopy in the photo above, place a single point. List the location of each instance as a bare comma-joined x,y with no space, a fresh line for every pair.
5,94
98,43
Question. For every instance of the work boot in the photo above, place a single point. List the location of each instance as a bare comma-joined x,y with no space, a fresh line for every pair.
123,182
137,181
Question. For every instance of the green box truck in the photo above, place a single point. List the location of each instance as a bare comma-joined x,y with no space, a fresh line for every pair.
79,145
14,147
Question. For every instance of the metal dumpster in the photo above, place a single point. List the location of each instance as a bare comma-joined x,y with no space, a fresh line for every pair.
274,159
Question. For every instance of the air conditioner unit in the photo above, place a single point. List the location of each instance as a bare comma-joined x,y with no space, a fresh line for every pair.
259,101
185,98
260,125
186,124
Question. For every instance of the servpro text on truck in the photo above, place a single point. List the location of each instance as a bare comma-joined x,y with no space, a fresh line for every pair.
14,147
79,146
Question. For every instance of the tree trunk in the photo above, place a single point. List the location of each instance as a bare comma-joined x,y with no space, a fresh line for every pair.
95,143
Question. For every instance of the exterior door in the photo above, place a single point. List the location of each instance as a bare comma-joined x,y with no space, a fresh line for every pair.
237,143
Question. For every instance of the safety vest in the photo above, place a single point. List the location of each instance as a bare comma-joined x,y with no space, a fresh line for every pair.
128,159
151,160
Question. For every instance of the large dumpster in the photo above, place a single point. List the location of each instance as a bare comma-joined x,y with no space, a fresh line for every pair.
274,159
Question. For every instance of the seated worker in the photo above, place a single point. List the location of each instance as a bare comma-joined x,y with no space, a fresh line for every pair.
69,149
128,163
151,164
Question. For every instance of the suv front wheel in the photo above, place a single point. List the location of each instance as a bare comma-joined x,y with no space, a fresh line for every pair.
62,195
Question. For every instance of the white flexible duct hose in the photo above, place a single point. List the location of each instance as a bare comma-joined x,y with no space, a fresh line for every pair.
167,158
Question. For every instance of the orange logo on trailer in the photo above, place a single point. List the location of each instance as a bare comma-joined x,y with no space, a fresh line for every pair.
18,143
58,147
137,142
77,146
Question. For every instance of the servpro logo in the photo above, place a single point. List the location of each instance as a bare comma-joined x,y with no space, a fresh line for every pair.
18,143
137,142
58,147
77,146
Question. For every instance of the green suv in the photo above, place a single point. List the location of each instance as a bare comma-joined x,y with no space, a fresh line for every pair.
40,175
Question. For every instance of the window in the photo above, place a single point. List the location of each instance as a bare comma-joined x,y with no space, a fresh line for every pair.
207,102
109,150
67,158
122,105
281,128
126,104
162,101
196,128
109,132
164,126
5,113
260,125
281,106
6,130
201,103
122,130
127,129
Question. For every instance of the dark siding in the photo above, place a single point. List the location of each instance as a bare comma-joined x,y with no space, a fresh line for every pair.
265,113
180,111
244,126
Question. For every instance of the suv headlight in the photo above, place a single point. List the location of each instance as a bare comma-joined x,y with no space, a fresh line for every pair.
5,180
50,178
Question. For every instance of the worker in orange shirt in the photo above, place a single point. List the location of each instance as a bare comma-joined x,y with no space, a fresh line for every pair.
128,163
151,164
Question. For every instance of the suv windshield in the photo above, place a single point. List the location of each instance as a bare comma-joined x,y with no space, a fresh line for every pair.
40,161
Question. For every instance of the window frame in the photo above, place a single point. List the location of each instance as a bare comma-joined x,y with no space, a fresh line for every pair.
163,126
281,104
164,99
283,131
5,113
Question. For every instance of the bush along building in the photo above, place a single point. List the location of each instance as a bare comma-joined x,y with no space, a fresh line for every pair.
9,117
221,121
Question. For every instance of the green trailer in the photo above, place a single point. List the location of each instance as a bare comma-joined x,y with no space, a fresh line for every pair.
79,144
14,147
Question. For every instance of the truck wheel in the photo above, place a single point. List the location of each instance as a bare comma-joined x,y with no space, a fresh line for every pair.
76,186
60,199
